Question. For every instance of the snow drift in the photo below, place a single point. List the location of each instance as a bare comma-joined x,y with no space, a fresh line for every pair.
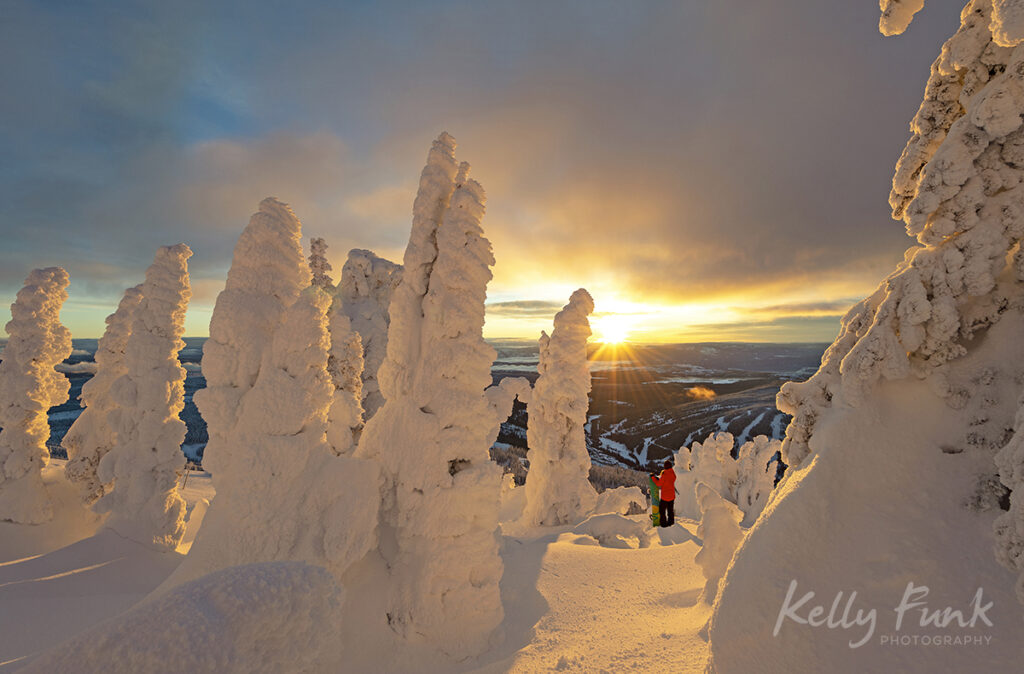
270,617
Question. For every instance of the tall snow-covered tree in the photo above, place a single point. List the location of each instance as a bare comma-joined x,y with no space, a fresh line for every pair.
29,386
345,366
558,490
266,276
367,283
442,490
140,472
318,264
282,493
94,432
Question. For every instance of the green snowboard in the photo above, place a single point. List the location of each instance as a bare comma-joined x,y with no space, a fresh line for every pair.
655,517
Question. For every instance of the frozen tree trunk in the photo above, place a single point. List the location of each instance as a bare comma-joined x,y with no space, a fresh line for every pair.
719,529
29,386
266,276
319,266
558,490
140,472
367,283
94,433
345,366
442,490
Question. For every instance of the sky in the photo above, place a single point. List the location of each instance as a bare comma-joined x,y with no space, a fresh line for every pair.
710,171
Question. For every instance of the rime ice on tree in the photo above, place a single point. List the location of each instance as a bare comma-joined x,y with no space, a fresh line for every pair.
557,487
29,386
345,366
318,264
442,490
140,472
282,493
367,283
267,273
94,432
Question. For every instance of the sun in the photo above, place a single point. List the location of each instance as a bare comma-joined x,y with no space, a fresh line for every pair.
612,328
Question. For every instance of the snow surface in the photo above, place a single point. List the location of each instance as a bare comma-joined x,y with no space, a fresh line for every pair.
29,386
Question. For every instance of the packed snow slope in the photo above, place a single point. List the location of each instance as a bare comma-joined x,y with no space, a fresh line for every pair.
72,592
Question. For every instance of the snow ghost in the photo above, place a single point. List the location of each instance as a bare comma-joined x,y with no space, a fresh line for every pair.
558,490
29,386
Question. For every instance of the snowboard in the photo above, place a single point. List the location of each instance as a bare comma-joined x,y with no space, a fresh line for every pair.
655,518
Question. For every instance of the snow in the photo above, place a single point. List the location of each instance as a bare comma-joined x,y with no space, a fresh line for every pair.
29,386
140,471
345,366
746,481
557,488
94,434
1007,22
720,534
293,499
367,283
266,275
269,617
897,15
746,431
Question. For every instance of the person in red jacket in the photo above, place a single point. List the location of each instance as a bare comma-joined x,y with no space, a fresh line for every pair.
667,486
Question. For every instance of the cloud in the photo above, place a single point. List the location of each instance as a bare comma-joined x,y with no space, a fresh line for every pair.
686,151
700,393
524,308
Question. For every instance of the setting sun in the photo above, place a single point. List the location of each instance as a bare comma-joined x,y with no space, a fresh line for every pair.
612,329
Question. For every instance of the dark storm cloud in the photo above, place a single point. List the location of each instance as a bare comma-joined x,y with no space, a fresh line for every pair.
671,150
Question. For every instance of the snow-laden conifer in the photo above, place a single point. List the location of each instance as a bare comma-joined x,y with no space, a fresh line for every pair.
367,283
29,386
557,487
431,435
140,472
94,432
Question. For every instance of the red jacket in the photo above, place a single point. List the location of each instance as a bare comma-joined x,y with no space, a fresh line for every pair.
667,482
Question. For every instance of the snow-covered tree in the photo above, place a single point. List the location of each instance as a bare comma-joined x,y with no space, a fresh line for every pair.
140,472
745,481
318,264
501,398
266,276
442,490
557,488
282,493
94,432
958,187
720,535
367,283
29,386
345,366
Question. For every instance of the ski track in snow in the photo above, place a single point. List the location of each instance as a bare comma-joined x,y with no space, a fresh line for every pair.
745,435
